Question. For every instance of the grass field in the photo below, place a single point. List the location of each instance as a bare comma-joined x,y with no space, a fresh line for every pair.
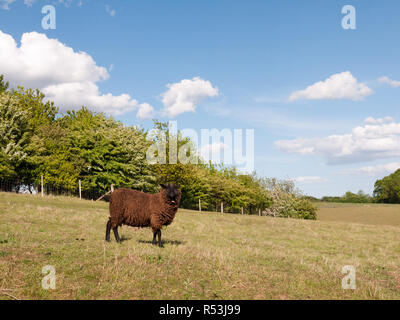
376,214
206,256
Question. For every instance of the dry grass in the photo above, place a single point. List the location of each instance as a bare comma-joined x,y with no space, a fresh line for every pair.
370,213
206,256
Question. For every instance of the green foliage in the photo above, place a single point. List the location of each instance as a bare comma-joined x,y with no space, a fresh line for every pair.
387,190
311,198
350,197
287,204
210,183
14,136
304,209
23,113
3,85
97,150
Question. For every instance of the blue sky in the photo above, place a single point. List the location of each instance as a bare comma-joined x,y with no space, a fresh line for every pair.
229,64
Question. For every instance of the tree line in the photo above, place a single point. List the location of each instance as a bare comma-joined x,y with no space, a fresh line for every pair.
37,140
386,190
350,197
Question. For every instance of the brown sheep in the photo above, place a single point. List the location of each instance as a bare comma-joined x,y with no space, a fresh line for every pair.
139,209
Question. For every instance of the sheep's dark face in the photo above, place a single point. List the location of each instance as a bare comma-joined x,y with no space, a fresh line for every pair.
172,193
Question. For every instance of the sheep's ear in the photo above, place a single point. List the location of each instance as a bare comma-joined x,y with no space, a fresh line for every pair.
163,186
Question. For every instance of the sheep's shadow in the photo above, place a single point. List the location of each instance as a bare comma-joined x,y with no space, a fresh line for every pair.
173,242
124,238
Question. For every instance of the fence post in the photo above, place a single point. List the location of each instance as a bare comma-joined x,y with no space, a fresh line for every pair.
199,204
41,182
112,188
222,207
242,210
259,212
80,189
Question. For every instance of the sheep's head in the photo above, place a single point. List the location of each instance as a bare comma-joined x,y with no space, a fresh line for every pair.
172,193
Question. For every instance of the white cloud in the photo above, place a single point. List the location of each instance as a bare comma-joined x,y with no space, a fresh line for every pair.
78,94
378,170
145,111
66,3
5,4
110,11
67,77
41,61
392,83
338,86
183,96
371,120
364,143
29,3
309,179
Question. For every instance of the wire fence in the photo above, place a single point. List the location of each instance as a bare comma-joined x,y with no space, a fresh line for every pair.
48,189
40,189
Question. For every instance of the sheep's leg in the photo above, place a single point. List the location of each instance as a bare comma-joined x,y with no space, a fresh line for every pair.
159,239
154,237
108,229
116,234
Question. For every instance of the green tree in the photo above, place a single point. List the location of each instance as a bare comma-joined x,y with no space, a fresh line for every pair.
3,85
98,150
387,190
14,136
22,114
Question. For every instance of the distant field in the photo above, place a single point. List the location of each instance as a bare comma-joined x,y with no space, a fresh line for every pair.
206,256
376,214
